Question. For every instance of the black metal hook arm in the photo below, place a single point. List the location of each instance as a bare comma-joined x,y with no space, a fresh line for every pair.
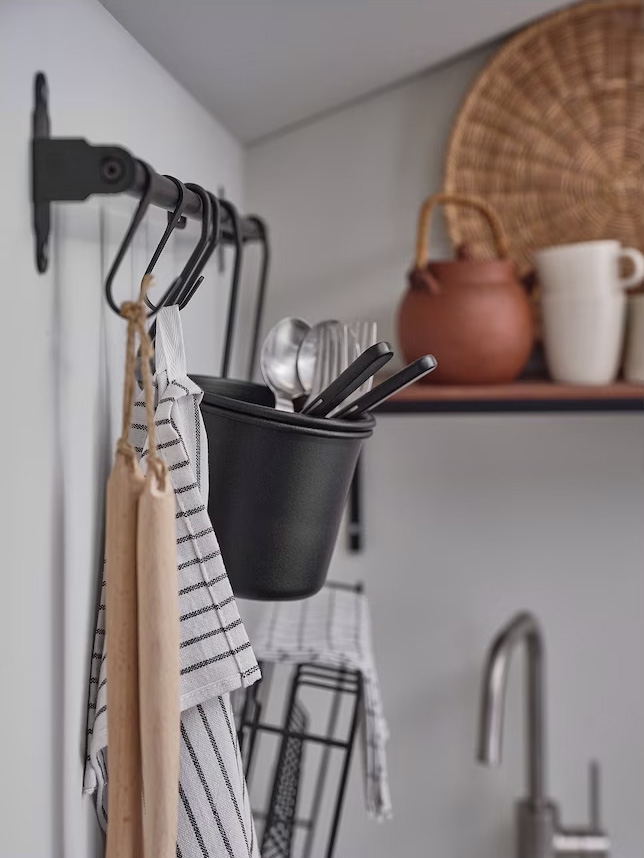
71,169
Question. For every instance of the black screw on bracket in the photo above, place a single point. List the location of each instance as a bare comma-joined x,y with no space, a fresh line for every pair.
112,170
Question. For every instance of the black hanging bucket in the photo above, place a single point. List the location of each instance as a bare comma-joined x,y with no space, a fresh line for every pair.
278,486
247,391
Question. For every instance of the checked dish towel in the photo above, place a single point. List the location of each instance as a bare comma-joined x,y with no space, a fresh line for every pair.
214,817
333,628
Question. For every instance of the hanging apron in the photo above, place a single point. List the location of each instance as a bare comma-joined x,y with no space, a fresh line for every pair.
142,628
216,657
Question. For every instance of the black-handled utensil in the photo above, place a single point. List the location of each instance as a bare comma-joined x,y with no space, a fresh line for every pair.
362,368
388,387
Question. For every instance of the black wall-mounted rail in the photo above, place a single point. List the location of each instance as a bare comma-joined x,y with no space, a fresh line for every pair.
71,169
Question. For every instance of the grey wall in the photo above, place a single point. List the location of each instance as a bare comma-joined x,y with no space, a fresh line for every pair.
62,356
468,518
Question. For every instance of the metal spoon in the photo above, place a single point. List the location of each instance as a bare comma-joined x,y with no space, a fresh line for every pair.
313,357
278,360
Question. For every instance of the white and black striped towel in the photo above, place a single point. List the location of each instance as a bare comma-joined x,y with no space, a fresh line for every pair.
216,655
333,628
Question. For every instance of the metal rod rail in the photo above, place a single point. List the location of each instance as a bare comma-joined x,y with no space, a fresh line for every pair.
344,777
290,734
324,767
165,195
298,823
68,169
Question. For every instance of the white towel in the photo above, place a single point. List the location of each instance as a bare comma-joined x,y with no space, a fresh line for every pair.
216,655
333,628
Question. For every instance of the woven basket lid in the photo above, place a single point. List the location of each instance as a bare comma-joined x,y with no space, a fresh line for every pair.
552,134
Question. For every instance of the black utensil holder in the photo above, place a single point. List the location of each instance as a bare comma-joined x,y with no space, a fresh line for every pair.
278,487
232,388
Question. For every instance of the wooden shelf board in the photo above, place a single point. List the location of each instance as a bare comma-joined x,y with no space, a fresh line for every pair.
520,396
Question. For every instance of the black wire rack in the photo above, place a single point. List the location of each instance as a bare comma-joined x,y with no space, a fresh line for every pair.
301,803
281,818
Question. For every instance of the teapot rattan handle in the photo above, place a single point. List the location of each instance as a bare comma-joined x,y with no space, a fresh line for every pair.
424,223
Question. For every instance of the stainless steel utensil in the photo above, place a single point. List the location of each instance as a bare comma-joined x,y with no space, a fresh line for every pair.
349,350
364,334
387,388
368,363
313,358
278,360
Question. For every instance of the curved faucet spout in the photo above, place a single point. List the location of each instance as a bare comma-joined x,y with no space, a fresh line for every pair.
523,627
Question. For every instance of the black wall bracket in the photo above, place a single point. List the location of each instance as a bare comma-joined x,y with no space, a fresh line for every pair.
68,169
71,170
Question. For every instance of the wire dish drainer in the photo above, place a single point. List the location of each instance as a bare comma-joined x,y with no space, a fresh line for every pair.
305,769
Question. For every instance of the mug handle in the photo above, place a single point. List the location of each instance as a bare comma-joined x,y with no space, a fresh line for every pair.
637,259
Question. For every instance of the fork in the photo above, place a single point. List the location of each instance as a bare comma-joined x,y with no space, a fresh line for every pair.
327,359
358,335
366,335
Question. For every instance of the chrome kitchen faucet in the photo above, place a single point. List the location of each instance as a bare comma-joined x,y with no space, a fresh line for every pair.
539,832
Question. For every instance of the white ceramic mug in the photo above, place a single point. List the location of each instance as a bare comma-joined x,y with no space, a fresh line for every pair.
587,267
634,357
583,336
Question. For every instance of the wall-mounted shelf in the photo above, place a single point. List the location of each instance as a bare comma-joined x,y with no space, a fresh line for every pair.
518,397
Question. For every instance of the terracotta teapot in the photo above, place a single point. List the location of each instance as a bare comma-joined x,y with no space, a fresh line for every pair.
472,314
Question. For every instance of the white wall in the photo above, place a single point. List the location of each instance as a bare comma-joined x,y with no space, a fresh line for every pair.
468,518
62,355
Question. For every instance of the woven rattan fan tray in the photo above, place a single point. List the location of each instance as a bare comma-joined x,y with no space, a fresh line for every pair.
552,135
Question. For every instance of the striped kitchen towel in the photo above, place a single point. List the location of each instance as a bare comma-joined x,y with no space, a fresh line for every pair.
216,655
333,628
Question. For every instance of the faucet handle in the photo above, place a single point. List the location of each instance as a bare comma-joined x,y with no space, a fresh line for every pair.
594,794
591,842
